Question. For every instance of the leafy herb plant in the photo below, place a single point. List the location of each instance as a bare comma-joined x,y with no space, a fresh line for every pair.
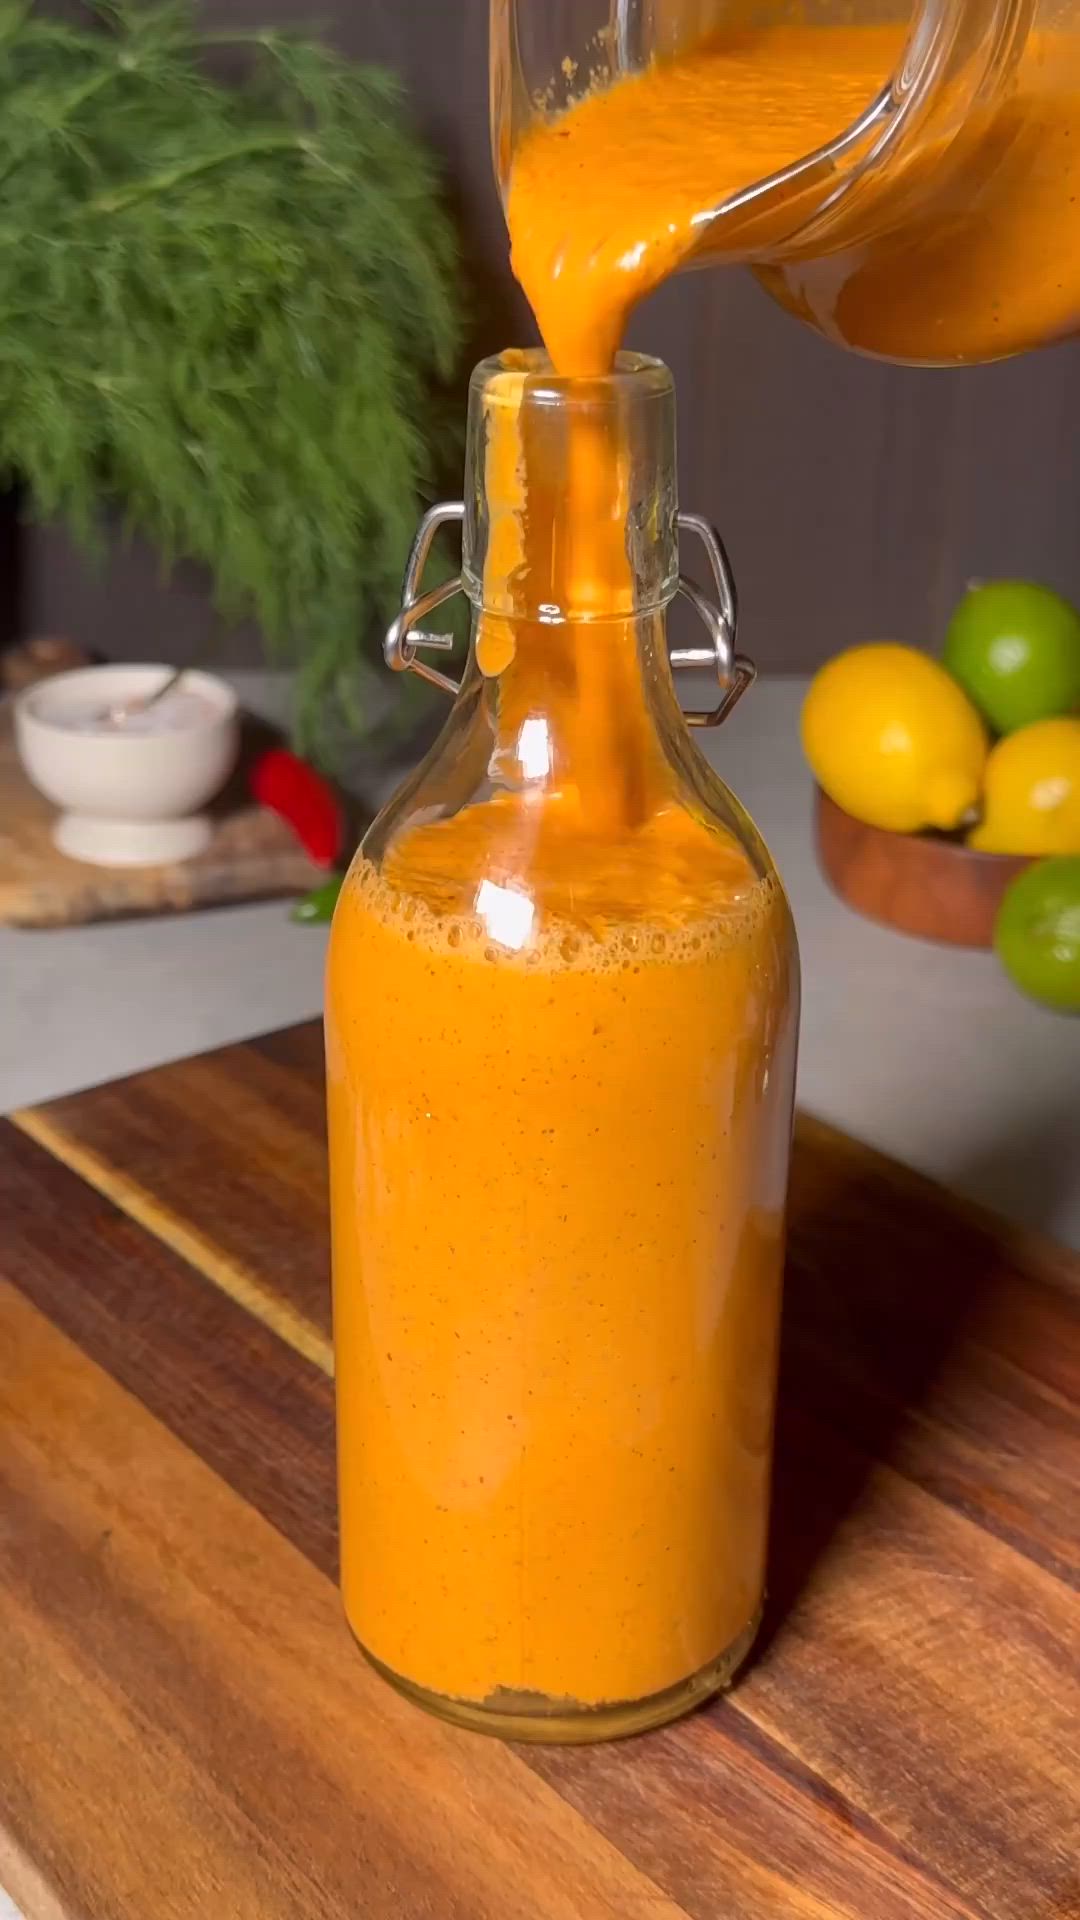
222,311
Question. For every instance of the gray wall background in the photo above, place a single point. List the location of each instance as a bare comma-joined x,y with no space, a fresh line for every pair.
856,499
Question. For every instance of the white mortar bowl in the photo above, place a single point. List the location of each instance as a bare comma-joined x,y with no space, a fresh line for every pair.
127,799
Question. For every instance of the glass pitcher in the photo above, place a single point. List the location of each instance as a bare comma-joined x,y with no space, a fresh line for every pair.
936,216
561,1018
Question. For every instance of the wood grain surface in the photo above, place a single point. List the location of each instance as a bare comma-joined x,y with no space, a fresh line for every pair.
252,855
187,1727
902,1748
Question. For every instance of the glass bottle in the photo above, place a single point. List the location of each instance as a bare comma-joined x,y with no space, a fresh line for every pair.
561,1017
936,218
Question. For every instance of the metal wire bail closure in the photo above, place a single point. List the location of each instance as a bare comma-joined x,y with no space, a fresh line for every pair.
402,646
734,671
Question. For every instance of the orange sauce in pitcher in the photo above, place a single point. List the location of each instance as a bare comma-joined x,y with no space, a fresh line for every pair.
977,254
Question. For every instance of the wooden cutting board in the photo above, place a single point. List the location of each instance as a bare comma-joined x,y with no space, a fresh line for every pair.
187,1729
252,855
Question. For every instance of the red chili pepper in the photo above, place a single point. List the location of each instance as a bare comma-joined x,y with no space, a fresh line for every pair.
289,787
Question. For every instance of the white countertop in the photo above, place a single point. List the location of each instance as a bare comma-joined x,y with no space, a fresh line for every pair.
924,1051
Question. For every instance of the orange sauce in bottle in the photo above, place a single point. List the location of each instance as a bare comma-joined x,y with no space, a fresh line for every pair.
560,1047
558,1167
557,1252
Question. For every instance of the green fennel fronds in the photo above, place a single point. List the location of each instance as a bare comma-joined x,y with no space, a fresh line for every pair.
222,312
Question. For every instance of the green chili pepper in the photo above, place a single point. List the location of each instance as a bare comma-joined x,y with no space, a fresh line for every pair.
315,909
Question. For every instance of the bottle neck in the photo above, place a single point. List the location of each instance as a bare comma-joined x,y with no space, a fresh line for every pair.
575,710
570,495
570,557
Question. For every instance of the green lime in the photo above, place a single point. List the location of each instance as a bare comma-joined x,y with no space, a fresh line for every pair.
1037,934
1015,649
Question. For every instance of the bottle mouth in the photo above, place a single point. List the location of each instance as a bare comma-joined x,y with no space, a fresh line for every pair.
526,375
570,494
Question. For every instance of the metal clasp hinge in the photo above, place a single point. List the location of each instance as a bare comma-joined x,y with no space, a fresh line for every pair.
402,645
734,672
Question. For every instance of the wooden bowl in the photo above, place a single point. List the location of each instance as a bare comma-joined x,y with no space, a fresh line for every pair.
920,883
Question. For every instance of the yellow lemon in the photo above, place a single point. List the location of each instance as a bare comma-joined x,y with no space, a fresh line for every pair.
1032,791
893,740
